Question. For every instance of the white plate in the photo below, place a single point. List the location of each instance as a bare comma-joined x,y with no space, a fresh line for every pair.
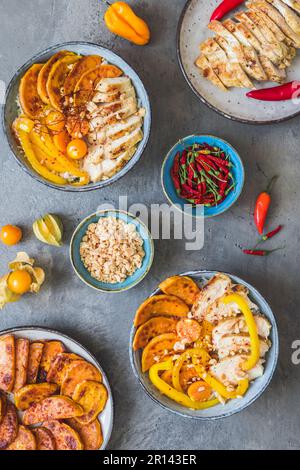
38,333
192,30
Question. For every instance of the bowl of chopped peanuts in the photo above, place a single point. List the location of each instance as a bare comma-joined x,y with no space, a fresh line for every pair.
111,251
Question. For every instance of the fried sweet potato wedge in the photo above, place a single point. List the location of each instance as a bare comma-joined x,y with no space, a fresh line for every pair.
56,79
77,372
154,327
30,394
167,305
85,87
8,426
159,347
44,439
44,74
58,364
7,362
30,100
35,356
56,407
25,440
85,64
92,396
181,286
22,358
187,373
50,351
90,434
66,438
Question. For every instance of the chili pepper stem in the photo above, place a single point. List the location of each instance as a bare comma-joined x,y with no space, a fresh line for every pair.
271,184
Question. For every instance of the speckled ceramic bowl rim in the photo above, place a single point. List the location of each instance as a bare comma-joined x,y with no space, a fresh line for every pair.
206,216
198,94
275,345
33,174
143,275
69,338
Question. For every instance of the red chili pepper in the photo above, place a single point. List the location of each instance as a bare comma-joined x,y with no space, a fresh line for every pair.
262,207
272,233
284,92
261,252
225,7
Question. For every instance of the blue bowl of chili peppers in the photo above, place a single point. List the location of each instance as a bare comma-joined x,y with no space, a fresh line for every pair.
202,175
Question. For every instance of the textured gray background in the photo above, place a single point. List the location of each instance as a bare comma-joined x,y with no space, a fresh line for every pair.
102,322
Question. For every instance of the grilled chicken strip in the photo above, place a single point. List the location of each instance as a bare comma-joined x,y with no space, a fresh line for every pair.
294,4
106,168
274,73
216,288
237,325
231,345
289,15
229,370
209,73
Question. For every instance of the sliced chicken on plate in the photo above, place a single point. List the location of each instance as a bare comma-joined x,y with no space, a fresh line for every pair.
237,325
208,72
216,288
288,14
294,4
280,36
229,371
233,344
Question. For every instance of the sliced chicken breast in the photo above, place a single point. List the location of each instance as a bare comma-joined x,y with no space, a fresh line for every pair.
274,73
127,109
294,4
207,71
120,129
216,288
237,325
109,85
123,144
100,97
106,168
231,345
218,310
229,370
252,5
288,14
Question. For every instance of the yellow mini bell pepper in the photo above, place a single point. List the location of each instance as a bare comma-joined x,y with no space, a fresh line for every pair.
121,20
198,353
170,392
254,340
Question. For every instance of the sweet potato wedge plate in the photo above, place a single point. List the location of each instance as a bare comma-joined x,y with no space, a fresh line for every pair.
154,327
167,305
44,74
65,437
30,100
58,364
7,362
90,434
84,65
25,440
35,356
44,439
22,358
8,426
159,347
30,394
56,407
77,372
50,351
181,286
92,396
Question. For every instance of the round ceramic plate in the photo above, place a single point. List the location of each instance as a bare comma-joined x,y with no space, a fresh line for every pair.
11,109
85,275
256,388
192,30
34,333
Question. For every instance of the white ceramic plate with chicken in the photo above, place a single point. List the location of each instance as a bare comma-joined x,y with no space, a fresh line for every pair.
226,336
257,56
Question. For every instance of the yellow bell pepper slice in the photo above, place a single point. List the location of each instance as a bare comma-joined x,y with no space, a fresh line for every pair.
254,340
173,394
195,352
32,159
44,159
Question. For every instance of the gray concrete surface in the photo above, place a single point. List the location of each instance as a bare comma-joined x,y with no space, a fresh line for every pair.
102,322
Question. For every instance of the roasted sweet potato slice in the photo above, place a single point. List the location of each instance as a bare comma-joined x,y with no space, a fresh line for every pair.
44,74
154,327
66,438
35,356
50,351
90,434
77,372
3,403
58,364
56,407
56,79
167,305
25,440
167,377
181,286
85,64
30,100
85,88
92,396
7,362
30,394
159,348
8,426
44,439
22,358
187,374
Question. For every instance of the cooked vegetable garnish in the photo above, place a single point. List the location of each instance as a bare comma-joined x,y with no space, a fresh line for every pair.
201,175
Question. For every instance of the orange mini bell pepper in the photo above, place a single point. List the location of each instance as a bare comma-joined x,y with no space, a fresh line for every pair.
121,20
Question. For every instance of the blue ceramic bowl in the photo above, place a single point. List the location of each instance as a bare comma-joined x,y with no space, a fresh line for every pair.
200,211
84,274
11,109
257,387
